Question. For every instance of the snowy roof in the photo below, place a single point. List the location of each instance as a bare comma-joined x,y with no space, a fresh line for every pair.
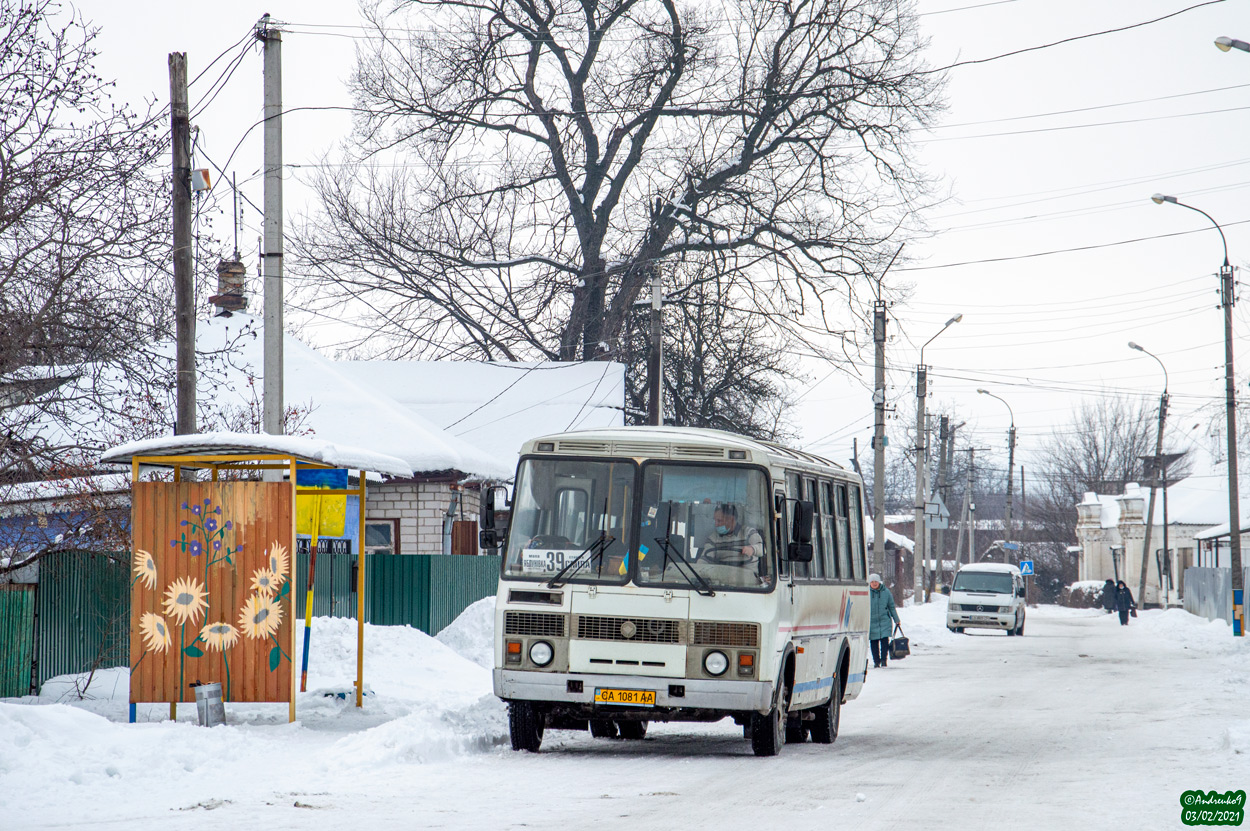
499,406
313,450
890,536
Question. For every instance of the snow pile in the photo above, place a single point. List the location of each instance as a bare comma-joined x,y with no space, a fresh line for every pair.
68,749
472,634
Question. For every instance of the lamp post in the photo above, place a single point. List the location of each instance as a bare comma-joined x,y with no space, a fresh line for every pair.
920,548
1234,509
1011,460
1158,466
1224,44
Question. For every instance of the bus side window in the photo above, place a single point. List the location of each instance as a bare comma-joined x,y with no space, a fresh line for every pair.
571,514
827,520
845,552
816,568
857,535
783,530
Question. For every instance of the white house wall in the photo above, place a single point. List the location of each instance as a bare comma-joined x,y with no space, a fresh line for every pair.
420,508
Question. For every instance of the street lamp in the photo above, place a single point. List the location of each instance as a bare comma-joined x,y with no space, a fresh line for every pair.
1224,44
1011,460
1234,508
1159,465
921,549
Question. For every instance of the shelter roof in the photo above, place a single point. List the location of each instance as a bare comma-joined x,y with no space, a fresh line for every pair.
299,447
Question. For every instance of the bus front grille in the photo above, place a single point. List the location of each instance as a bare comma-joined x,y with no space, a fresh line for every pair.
533,623
715,633
633,629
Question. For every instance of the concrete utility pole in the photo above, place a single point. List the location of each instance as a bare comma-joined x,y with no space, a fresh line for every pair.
184,272
1230,410
944,438
972,509
1157,465
922,390
655,358
272,254
878,441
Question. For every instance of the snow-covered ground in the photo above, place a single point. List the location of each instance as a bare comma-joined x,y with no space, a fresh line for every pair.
1081,721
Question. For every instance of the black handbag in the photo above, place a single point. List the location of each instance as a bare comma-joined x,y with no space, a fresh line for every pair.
900,647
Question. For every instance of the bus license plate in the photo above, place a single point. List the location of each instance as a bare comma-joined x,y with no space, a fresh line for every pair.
628,698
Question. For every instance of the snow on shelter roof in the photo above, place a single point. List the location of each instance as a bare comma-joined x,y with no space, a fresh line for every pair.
223,444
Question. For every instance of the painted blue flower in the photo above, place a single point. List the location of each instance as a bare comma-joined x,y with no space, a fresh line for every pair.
197,548
184,522
195,509
208,501
210,525
184,506
173,543
227,526
216,545
217,510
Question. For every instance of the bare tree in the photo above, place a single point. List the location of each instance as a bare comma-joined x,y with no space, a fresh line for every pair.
721,368
82,244
521,165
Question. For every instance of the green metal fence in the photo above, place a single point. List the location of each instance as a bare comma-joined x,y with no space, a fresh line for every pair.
82,613
79,616
17,635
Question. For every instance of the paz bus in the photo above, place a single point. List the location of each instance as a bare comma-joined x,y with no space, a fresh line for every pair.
678,574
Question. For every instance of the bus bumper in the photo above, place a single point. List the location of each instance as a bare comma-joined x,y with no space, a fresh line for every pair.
683,693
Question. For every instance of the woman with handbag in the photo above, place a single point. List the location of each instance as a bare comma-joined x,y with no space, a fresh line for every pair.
1124,603
881,619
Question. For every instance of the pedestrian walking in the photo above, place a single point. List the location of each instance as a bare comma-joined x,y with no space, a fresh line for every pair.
1124,602
881,619
1108,595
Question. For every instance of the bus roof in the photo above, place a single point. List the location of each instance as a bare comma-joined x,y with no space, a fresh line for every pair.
687,437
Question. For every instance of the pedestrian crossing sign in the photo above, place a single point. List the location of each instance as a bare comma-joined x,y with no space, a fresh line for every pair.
1026,568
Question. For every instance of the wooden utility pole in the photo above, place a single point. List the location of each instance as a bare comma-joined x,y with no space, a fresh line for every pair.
184,272
271,257
655,357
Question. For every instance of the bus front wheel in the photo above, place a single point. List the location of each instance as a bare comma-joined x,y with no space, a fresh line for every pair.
633,730
525,726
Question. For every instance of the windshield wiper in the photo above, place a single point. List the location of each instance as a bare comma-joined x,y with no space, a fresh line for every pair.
595,549
694,578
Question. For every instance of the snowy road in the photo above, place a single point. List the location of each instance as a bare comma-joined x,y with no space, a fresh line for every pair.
1078,722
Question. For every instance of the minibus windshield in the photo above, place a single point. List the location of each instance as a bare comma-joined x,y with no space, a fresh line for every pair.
982,581
705,526
567,510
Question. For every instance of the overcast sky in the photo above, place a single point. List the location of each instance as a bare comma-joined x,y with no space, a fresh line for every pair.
1054,149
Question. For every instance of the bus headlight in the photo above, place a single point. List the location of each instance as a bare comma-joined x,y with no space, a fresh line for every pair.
715,663
541,653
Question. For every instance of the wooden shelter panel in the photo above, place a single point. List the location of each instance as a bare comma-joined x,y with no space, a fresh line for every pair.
211,590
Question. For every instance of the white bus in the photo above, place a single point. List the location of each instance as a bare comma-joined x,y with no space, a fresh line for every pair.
678,574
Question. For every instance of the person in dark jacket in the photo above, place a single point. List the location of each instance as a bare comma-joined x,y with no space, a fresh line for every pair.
1123,602
1108,595
881,619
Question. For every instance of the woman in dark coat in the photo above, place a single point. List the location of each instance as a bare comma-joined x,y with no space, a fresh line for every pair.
1108,595
881,617
1123,602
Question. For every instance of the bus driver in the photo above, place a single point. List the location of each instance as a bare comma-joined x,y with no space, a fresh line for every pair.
732,544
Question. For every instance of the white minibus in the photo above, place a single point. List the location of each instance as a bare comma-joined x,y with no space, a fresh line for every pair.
678,574
987,596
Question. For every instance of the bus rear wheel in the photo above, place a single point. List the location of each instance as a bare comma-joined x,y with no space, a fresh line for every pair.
525,726
633,730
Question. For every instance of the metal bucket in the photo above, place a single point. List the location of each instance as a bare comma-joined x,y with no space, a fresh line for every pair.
208,704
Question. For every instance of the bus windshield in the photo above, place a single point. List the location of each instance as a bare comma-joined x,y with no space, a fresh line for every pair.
566,508
705,526
983,581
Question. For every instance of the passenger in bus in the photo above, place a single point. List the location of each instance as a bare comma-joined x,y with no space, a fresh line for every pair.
731,543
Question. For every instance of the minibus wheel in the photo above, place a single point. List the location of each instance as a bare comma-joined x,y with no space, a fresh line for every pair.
768,730
796,732
824,727
603,728
525,726
634,730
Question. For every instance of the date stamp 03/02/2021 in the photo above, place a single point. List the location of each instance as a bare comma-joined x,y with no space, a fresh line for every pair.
1213,808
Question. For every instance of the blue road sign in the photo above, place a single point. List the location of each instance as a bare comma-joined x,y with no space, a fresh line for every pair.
1026,567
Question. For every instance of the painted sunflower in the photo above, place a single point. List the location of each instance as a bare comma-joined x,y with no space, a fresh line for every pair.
219,636
278,562
265,582
261,616
145,568
185,600
155,633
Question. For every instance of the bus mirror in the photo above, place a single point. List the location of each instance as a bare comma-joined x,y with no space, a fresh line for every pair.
799,552
488,539
803,514
489,501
